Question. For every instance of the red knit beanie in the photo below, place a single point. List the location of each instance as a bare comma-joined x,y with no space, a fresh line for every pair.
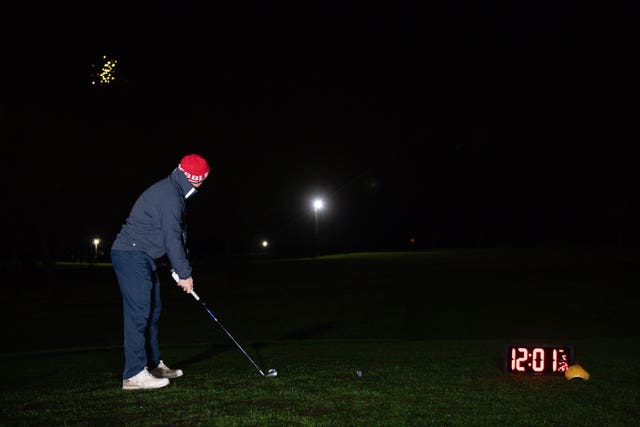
195,168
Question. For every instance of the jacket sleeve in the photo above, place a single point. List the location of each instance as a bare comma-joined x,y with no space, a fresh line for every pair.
172,230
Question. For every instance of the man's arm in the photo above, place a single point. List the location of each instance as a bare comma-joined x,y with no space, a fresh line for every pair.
172,229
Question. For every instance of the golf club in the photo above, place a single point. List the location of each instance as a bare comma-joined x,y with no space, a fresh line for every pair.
270,373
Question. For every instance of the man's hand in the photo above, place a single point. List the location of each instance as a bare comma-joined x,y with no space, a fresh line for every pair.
186,284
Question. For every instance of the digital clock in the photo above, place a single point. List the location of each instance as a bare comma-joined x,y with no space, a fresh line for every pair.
538,359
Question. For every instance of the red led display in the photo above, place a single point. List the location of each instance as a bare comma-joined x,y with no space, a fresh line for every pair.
538,359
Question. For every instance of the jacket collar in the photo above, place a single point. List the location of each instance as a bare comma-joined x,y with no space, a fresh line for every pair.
183,185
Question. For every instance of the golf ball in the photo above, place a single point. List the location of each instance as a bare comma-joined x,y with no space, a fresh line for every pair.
359,373
272,373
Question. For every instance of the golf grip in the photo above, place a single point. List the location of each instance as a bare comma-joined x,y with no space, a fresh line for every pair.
176,278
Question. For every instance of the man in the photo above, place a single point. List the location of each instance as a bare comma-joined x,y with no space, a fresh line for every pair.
154,228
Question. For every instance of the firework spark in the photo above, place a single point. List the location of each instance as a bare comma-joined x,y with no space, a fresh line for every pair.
105,73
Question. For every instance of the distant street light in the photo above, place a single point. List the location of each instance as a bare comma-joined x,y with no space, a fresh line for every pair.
96,242
318,204
265,244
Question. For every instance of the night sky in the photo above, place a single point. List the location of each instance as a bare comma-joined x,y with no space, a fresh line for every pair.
459,123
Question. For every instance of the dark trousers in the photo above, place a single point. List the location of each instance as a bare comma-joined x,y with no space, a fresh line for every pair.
140,289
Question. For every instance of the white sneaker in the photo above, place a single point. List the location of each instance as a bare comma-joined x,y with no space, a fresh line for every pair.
144,380
163,371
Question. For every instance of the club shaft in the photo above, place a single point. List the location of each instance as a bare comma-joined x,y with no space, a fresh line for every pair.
213,316
234,340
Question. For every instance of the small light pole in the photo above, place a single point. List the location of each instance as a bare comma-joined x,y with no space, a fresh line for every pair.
96,242
264,249
318,204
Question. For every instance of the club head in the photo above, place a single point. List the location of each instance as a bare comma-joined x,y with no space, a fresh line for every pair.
271,373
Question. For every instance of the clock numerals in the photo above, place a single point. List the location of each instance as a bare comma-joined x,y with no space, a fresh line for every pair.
538,359
519,359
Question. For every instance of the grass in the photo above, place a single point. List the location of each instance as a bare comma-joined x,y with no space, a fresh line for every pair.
427,329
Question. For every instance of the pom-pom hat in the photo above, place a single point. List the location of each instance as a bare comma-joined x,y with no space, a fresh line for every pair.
194,167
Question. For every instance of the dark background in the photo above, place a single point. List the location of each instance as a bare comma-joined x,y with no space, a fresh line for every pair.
457,123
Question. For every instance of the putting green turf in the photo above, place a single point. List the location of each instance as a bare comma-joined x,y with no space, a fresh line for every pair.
427,330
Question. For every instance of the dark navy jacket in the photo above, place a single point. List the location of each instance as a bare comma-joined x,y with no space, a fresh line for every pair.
156,226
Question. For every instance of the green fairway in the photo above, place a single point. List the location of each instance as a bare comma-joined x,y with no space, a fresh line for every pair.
427,330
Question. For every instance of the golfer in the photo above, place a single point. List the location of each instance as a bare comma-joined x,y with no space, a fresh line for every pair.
153,229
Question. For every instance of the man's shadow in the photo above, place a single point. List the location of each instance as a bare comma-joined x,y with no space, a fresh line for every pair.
214,350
